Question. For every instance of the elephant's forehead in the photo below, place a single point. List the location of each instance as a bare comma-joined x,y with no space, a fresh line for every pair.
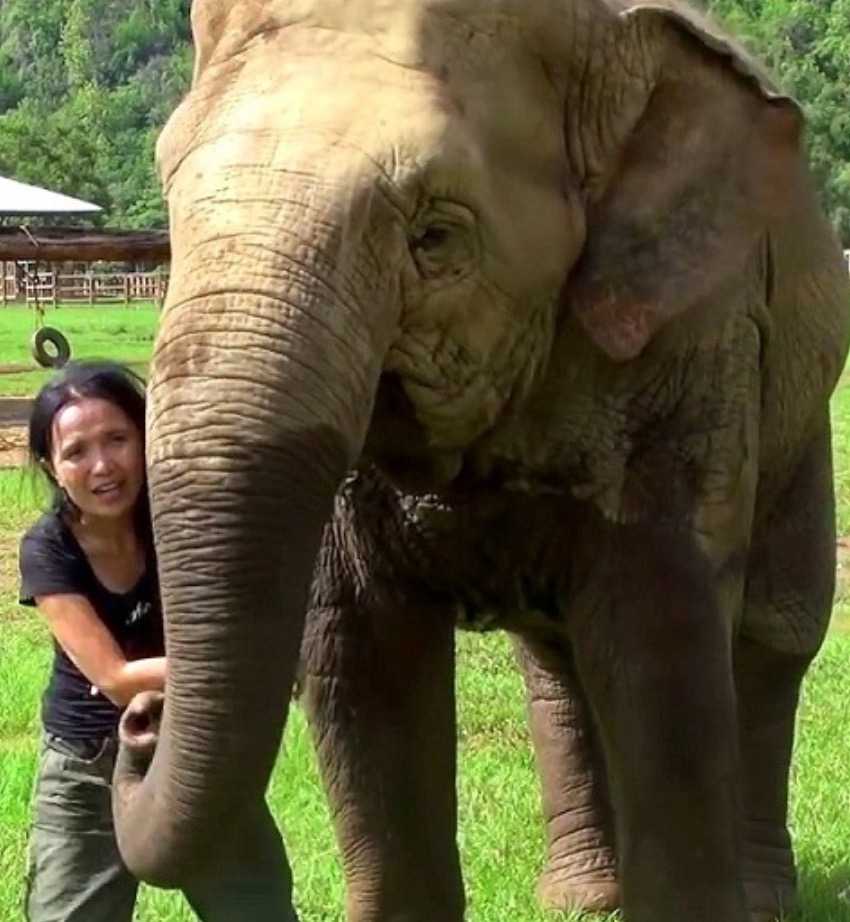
391,92
414,33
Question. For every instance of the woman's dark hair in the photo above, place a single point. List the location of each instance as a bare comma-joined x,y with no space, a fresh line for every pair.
105,381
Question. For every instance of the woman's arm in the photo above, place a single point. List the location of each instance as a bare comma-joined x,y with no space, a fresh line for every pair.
93,650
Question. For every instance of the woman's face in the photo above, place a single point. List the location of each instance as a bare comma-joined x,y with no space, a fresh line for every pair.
97,457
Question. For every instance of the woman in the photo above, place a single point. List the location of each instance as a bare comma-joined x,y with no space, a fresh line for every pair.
88,565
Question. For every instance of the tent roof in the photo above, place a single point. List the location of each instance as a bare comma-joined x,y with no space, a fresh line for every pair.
19,198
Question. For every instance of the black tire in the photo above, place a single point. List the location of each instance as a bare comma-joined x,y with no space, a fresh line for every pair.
54,357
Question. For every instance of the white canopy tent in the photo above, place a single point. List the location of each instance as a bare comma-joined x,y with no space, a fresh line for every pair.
33,246
20,202
19,199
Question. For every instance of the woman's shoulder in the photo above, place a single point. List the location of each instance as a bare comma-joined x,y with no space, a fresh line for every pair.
49,538
49,560
49,528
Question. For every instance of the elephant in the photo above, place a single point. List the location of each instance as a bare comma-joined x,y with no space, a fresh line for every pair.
505,315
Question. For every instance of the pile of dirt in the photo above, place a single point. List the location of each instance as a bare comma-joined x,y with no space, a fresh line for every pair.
13,446
14,414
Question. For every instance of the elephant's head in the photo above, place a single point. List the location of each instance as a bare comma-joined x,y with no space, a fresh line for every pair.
381,215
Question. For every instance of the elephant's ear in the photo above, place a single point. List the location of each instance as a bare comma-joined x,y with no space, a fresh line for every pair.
704,166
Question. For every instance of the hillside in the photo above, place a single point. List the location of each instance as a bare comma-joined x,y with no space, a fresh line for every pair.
806,44
85,86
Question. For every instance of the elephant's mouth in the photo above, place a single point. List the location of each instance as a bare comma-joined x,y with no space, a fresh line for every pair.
398,444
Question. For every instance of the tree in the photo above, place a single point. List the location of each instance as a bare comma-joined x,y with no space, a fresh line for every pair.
807,45
85,87
60,150
30,34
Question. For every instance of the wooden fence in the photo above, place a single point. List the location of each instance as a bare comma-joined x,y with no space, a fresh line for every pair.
22,283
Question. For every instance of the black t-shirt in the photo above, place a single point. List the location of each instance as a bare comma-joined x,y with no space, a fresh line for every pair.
53,563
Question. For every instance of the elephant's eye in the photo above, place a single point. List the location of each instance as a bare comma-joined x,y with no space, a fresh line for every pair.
443,250
433,238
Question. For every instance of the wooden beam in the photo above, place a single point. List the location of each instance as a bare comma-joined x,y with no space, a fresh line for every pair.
66,244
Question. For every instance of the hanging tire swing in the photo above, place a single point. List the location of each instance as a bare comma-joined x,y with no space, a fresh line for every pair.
50,348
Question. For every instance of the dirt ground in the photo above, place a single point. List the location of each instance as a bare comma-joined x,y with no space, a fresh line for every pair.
13,440
14,412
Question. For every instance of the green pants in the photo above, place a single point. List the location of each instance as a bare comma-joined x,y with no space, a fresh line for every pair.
75,869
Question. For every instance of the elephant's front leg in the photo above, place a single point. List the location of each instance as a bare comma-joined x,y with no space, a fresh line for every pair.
653,650
790,583
379,692
580,870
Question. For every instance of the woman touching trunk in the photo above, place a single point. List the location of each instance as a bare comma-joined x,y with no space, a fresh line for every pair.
88,564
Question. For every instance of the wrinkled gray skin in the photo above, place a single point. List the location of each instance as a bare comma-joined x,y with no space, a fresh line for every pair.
552,278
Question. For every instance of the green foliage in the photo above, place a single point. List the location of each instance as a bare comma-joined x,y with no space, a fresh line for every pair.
85,87
30,34
806,43
62,150
76,44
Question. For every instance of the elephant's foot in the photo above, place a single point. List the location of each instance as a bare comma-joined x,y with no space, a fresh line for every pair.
770,900
588,886
770,879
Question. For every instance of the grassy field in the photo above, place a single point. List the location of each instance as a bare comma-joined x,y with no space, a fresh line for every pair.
501,834
122,333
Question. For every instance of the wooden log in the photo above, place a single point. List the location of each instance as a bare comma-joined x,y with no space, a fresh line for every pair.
60,244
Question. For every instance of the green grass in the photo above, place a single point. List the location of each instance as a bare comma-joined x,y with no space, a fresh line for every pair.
841,452
125,334
500,832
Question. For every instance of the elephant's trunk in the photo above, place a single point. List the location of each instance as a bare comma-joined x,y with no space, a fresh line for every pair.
264,377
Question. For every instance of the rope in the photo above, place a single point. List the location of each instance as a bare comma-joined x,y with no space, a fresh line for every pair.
38,310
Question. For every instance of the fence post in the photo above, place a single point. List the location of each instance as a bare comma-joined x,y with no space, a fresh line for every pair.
126,290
